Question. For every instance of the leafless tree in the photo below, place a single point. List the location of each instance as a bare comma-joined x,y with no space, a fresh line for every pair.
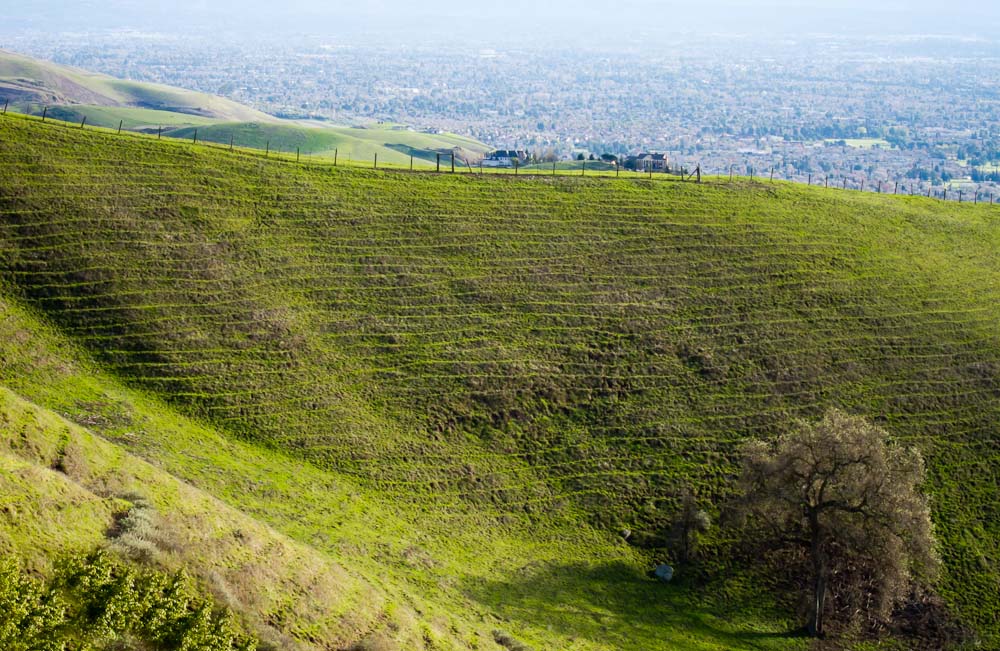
845,502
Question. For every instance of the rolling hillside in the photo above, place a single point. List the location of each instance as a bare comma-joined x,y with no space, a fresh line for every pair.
446,396
30,83
72,95
362,144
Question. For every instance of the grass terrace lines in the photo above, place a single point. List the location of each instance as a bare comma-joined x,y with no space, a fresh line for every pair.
558,349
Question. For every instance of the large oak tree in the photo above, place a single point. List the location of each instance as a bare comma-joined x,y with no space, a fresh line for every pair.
844,502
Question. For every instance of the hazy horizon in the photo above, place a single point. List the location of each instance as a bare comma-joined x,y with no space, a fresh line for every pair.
520,22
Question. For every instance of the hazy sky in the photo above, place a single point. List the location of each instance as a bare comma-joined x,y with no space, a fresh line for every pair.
558,21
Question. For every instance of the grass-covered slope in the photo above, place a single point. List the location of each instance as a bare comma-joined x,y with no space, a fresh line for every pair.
392,146
28,83
63,490
506,371
130,119
416,581
92,100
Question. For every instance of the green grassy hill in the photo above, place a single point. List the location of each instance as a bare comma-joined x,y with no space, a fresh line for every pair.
393,146
451,393
31,83
130,119
77,96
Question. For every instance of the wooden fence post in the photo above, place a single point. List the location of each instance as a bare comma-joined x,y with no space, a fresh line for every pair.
697,171
195,139
5,103
231,139
583,169
376,160
959,196
45,111
83,122
452,162
862,185
896,191
411,162
810,181
438,162
516,165
880,187
297,154
120,124
772,174
946,194
845,183
159,131
335,153
827,184
267,149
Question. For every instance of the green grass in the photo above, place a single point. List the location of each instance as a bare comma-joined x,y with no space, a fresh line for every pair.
344,145
461,388
133,119
394,147
63,489
402,552
572,166
70,95
33,83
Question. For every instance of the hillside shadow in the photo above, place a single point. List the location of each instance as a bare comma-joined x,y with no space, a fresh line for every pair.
614,605
419,154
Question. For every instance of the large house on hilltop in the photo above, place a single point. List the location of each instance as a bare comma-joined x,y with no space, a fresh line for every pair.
506,158
648,163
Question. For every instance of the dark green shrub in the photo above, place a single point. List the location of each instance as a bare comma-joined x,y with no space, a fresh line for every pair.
100,601
30,615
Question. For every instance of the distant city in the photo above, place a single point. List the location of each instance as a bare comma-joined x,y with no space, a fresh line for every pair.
913,115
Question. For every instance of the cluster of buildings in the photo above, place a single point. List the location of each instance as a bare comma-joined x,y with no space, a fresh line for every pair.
506,158
644,162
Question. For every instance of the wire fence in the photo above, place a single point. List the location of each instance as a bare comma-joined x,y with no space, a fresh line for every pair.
975,194
452,163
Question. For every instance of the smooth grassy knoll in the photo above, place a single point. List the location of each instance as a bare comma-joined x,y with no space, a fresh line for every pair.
30,83
461,389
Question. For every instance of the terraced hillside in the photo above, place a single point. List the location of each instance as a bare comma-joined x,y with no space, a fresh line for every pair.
461,388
